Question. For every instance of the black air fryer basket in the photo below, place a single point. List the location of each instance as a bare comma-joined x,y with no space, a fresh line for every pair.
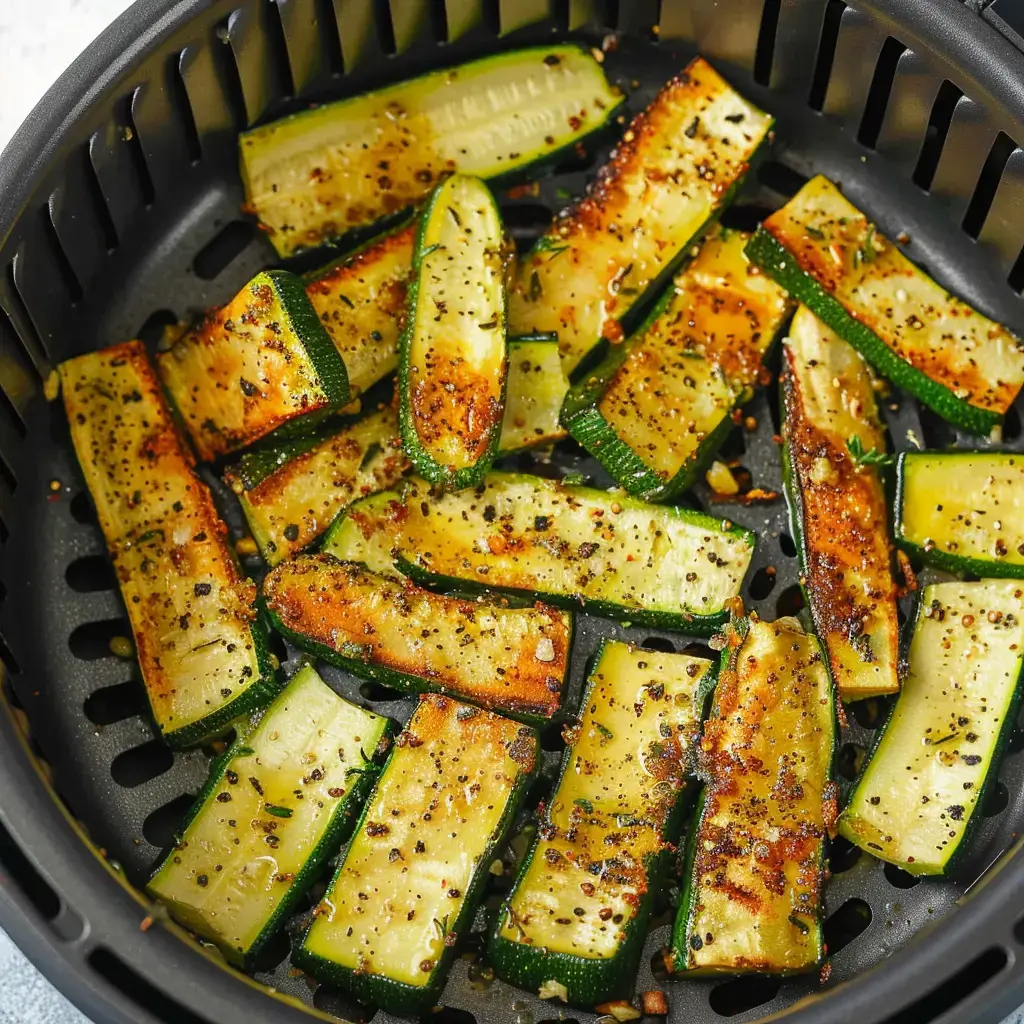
119,213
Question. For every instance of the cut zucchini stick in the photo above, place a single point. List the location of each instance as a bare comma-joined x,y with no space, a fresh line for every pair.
365,532
536,390
572,546
453,352
314,176
579,910
756,855
292,493
678,165
834,442
656,409
200,645
411,879
827,254
963,511
276,806
917,798
512,659
361,300
261,363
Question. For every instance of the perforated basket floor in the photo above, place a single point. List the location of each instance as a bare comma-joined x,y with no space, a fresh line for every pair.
137,225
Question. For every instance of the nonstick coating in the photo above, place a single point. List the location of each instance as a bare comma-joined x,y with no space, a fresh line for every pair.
119,213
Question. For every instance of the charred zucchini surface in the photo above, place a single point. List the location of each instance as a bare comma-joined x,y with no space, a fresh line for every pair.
261,363
677,166
410,881
579,910
834,442
199,643
313,177
512,659
276,805
756,858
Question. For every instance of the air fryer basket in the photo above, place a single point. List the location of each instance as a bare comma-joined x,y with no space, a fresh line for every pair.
119,212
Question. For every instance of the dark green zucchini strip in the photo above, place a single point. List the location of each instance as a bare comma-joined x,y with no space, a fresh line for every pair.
916,801
199,641
752,898
409,883
580,907
827,254
277,804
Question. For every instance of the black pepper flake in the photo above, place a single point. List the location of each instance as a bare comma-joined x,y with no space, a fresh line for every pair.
202,589
202,881
255,783
291,532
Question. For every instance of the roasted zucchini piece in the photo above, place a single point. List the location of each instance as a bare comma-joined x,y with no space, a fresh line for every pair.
918,796
963,511
579,910
200,644
364,533
277,804
678,165
656,408
829,256
291,494
361,300
314,176
536,390
572,546
833,445
410,881
514,660
260,364
453,351
756,856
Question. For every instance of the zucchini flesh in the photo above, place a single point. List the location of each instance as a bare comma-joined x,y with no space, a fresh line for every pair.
512,659
963,511
292,493
365,531
361,300
200,644
536,390
453,352
260,364
276,805
677,167
568,545
314,176
917,797
656,408
827,254
838,507
579,909
412,876
756,857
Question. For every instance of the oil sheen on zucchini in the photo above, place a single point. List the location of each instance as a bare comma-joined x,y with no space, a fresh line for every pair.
963,511
453,352
918,795
261,363
656,408
314,176
579,910
827,254
574,546
276,805
756,856
677,166
199,642
833,440
536,390
291,494
410,881
511,659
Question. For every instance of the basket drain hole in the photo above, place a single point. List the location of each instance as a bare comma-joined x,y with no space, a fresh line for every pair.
26,878
82,509
92,640
223,249
140,764
787,545
658,643
377,692
161,825
846,923
112,704
996,800
901,879
790,601
842,855
762,583
867,713
850,761
742,994
91,573
116,972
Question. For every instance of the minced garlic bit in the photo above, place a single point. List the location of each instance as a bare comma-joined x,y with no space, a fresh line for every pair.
552,989
620,1010
51,386
822,471
721,480
545,649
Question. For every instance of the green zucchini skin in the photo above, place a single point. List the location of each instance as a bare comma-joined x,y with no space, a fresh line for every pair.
422,388
338,829
388,993
953,498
